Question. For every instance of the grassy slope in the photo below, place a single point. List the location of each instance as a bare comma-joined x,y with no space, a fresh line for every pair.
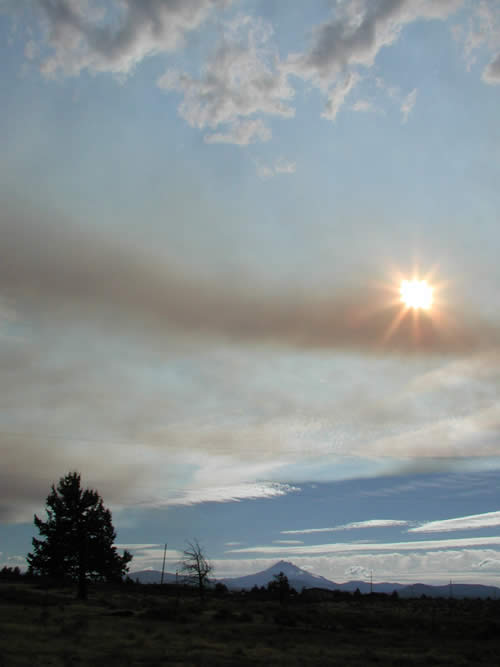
138,626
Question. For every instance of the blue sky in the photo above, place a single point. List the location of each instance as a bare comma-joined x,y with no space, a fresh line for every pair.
207,210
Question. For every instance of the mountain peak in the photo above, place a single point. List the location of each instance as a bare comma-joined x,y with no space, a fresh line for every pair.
285,563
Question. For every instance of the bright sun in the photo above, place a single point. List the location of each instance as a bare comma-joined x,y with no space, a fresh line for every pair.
416,294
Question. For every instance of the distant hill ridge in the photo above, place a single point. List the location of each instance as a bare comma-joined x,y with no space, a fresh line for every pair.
299,578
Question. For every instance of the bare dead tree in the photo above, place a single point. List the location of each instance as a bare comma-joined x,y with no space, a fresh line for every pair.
196,566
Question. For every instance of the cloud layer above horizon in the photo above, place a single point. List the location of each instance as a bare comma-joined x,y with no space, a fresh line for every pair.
207,207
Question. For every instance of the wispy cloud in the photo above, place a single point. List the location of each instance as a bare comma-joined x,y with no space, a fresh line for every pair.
351,547
241,133
280,166
234,492
355,525
473,521
364,106
408,104
482,34
134,546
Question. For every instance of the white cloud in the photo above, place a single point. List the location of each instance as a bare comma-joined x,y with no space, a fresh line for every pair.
489,564
288,542
241,133
280,166
436,567
351,547
470,522
306,531
482,34
353,36
357,572
31,50
152,558
338,94
7,310
232,492
364,106
491,73
264,171
408,104
372,523
81,37
459,373
355,525
470,436
135,546
242,78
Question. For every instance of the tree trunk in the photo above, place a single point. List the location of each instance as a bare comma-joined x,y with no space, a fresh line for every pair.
82,568
82,585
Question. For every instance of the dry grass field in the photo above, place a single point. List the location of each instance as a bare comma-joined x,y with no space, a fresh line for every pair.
146,626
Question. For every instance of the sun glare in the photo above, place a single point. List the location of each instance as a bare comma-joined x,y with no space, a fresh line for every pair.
416,294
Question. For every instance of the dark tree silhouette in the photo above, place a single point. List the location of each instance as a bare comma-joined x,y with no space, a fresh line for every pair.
10,573
196,566
280,586
79,538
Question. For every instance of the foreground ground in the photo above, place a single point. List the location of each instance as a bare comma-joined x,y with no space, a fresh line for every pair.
144,626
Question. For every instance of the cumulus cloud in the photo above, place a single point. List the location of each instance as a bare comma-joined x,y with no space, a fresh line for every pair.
355,525
471,522
241,79
353,36
358,572
115,37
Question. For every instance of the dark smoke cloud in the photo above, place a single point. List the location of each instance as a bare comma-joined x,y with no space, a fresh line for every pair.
72,275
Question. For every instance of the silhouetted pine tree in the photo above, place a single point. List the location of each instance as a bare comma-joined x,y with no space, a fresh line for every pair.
79,537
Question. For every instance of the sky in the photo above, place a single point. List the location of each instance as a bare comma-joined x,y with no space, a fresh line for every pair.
208,207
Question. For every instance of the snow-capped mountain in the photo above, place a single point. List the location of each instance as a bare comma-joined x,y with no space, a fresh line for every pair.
297,578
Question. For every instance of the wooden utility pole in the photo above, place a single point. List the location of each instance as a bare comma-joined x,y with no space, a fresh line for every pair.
163,566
